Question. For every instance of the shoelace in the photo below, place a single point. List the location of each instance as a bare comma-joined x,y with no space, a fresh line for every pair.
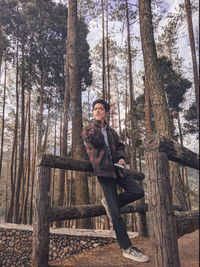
136,250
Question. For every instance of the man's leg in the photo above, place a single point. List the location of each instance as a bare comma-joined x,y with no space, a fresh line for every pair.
133,191
109,186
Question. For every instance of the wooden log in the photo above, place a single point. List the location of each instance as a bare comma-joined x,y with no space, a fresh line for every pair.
187,222
173,149
66,163
162,227
40,247
87,211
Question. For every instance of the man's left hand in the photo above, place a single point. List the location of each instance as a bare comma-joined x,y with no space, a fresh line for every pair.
122,161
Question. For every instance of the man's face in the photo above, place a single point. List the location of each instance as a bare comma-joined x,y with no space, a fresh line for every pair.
99,112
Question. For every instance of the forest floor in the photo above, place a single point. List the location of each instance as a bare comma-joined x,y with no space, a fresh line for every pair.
111,256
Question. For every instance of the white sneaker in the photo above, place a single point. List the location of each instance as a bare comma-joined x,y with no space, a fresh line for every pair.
104,203
135,254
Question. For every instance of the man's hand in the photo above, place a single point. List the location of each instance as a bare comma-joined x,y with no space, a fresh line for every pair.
122,161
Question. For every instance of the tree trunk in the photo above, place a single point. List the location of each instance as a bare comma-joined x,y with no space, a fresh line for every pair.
133,135
193,52
2,46
24,174
21,149
103,53
157,95
46,131
148,124
24,217
142,222
3,118
14,148
65,127
33,161
108,58
78,150
162,225
54,170
40,114
118,109
40,244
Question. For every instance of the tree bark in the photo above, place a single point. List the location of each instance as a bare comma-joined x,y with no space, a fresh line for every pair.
3,117
53,171
2,46
46,131
87,211
157,95
40,247
174,151
78,150
66,163
21,150
40,114
133,134
24,215
162,225
14,148
148,123
24,174
108,58
187,222
65,125
33,163
103,53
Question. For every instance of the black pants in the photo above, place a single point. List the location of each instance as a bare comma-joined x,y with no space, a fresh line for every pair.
132,192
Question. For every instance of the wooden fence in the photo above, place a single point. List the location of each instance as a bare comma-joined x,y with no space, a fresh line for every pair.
158,151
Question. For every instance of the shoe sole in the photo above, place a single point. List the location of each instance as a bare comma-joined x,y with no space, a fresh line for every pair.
135,259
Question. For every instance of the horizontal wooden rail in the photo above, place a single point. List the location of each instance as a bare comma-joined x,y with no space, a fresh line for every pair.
173,149
87,211
66,163
187,222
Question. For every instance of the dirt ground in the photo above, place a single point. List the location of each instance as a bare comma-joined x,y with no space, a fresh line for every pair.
111,255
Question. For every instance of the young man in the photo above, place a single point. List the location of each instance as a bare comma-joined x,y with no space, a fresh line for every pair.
104,150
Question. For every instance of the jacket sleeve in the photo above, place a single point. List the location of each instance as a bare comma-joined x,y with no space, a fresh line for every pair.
120,147
92,134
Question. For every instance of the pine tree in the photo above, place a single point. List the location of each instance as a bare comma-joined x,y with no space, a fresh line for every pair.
163,124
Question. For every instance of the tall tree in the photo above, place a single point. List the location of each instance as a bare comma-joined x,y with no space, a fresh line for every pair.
21,149
107,54
14,147
103,53
78,150
193,52
134,163
3,117
163,123
157,95
2,46
25,206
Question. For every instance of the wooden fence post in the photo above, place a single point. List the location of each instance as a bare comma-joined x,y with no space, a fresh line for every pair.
162,228
40,248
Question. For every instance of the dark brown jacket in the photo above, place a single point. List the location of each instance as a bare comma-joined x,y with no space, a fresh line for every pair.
98,152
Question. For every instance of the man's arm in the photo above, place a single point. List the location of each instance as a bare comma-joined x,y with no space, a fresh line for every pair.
92,134
120,148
